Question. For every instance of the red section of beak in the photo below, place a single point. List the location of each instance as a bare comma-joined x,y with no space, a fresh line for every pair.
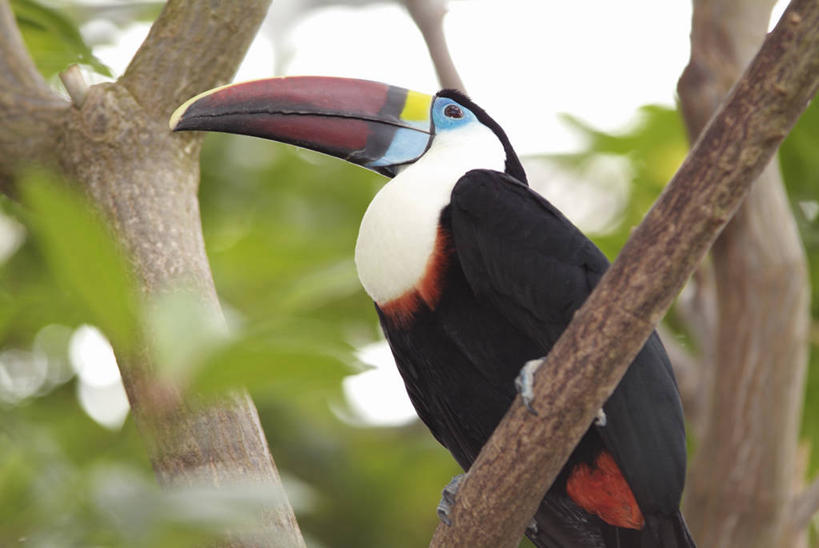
348,118
339,137
343,96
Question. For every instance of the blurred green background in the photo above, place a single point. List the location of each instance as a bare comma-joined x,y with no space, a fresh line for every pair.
280,228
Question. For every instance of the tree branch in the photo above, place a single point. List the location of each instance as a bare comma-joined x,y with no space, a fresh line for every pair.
193,46
521,459
17,70
429,18
75,85
28,107
803,507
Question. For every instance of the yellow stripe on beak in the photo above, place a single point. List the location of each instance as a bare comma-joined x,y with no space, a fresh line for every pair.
416,108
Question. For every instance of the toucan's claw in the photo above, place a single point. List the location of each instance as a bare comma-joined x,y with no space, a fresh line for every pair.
448,499
525,383
600,419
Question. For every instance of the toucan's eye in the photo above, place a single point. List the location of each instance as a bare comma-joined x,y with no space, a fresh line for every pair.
453,111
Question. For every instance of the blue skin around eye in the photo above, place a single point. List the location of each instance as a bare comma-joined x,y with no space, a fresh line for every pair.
408,145
441,122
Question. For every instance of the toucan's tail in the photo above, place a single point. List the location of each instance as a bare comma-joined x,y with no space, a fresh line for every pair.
667,532
659,531
558,524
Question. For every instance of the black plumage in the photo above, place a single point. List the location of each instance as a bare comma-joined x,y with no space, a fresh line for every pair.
517,271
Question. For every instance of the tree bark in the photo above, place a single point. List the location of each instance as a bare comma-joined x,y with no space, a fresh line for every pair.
29,111
116,146
740,482
493,507
803,507
429,18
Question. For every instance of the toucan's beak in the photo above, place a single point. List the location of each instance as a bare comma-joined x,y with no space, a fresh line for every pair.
368,123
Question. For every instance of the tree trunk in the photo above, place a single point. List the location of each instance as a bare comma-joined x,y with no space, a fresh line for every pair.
741,479
115,144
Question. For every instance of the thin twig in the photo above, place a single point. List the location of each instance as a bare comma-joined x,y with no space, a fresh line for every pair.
75,85
803,507
429,17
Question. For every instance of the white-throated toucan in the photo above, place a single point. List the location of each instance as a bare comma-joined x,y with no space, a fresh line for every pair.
473,274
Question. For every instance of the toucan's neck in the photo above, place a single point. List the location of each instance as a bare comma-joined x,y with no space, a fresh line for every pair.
399,228
512,165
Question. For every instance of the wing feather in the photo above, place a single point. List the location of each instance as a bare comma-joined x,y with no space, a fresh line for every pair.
520,253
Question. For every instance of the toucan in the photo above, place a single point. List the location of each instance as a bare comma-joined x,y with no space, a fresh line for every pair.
474,275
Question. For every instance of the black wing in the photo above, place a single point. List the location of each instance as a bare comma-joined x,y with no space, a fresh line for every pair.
520,253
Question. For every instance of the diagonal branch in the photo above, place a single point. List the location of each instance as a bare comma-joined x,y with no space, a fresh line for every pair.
429,18
582,370
17,71
803,507
28,107
192,46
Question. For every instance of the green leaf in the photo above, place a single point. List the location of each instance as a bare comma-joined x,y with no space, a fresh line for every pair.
291,360
185,330
52,39
82,255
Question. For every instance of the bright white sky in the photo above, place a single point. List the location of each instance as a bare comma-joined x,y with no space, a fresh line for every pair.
524,61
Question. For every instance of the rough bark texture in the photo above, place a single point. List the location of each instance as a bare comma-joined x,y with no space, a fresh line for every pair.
741,480
116,146
590,358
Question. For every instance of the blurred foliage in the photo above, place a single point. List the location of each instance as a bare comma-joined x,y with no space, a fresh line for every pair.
653,148
81,253
280,227
799,161
52,38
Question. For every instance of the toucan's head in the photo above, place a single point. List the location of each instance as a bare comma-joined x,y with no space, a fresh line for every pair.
378,126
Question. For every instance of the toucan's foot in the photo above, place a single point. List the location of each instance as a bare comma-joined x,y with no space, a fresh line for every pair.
531,529
525,384
448,499
600,419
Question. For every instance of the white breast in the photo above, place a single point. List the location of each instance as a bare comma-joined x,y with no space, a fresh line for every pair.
398,231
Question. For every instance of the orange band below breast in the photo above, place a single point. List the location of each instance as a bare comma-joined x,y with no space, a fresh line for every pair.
427,290
401,311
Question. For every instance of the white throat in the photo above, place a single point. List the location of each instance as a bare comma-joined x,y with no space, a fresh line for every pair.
398,231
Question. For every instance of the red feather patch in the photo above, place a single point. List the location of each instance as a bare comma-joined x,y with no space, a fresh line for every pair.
602,490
